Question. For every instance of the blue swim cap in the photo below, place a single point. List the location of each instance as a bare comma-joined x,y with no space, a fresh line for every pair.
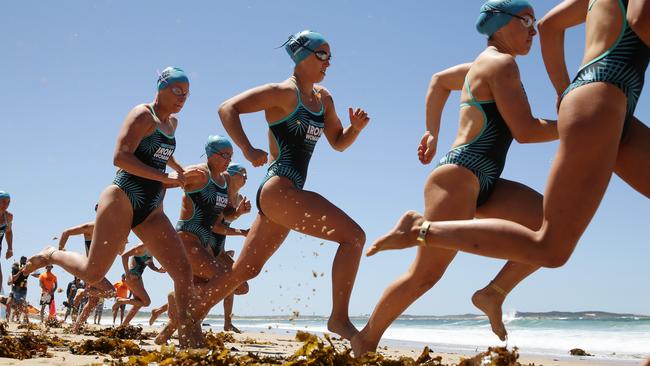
4,194
215,144
491,20
298,46
171,75
234,168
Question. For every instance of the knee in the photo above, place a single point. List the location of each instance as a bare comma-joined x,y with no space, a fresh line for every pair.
355,237
555,260
249,272
146,302
94,278
242,289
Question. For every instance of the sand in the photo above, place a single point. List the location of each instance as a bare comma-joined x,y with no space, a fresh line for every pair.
262,343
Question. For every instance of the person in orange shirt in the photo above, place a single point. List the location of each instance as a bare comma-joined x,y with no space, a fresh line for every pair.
48,286
122,291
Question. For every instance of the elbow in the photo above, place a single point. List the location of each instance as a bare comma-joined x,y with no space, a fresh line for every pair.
118,159
339,147
637,21
225,110
522,137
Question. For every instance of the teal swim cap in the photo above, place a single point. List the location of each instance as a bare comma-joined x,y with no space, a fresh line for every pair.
302,44
215,144
4,194
497,13
234,168
171,75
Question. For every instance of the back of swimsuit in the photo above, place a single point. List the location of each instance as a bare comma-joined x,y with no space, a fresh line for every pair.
485,155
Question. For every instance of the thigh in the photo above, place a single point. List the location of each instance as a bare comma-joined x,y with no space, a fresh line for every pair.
112,227
263,239
138,290
164,244
204,265
514,201
306,212
590,123
633,160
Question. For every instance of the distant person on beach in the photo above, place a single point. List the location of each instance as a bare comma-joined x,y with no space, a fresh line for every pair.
18,298
6,218
218,258
121,292
467,181
598,136
99,310
70,293
49,284
140,260
133,202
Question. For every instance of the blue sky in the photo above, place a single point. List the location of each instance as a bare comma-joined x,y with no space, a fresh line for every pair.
73,70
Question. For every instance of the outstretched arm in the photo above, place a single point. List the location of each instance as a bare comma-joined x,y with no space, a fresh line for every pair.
153,267
551,37
82,229
440,86
222,229
341,138
9,235
136,250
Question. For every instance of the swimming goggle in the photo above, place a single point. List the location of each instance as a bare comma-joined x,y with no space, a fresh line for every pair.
244,175
224,155
178,91
527,20
320,54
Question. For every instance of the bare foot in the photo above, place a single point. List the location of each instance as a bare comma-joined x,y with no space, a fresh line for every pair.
360,346
403,235
40,260
165,334
231,328
489,302
155,313
344,328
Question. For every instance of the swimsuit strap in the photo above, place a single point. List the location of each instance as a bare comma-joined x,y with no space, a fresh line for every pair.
153,113
300,103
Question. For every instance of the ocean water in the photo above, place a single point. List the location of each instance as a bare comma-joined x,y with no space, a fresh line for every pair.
624,337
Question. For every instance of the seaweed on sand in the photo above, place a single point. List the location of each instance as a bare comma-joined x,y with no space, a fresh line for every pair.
494,356
26,346
103,345
121,332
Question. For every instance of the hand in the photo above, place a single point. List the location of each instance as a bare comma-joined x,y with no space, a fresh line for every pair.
10,253
173,179
257,157
358,118
244,207
427,148
243,232
194,172
162,270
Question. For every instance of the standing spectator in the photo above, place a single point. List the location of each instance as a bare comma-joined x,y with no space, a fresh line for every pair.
18,283
71,292
99,310
121,291
48,286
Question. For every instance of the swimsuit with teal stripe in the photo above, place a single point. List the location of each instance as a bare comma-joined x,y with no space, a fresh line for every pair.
3,227
140,264
208,203
146,195
623,65
485,155
295,137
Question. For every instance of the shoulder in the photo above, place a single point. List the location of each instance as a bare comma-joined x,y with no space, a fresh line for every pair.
499,65
323,92
173,121
140,115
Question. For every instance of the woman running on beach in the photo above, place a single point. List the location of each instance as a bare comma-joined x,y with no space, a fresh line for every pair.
595,113
238,176
209,193
134,201
466,183
134,270
5,226
297,111
86,230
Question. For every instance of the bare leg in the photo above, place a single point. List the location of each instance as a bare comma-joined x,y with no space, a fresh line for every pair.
140,298
591,119
227,314
633,160
515,202
155,313
310,213
112,227
164,244
81,319
449,193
